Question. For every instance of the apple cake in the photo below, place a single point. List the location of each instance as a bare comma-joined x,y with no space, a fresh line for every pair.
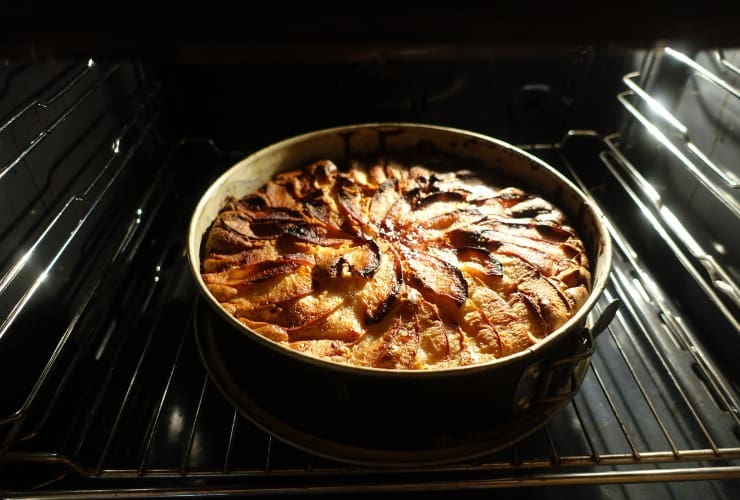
386,263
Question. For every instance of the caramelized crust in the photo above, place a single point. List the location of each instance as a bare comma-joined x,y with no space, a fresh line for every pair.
393,267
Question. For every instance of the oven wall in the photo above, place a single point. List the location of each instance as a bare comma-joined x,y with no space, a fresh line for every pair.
520,97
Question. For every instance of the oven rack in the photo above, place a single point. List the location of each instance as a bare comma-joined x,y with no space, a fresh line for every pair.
718,180
41,255
146,419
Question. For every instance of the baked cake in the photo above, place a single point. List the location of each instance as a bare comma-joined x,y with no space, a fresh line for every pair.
389,264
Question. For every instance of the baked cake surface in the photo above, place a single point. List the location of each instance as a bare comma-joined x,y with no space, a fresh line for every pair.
389,264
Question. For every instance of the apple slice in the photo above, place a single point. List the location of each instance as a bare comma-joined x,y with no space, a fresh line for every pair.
504,316
269,330
362,260
472,236
437,280
437,197
479,260
538,324
510,196
322,210
238,223
274,227
551,305
278,196
439,341
383,200
226,240
531,207
380,294
541,261
349,201
273,291
461,217
292,313
258,271
479,328
538,230
322,173
338,324
218,261
399,346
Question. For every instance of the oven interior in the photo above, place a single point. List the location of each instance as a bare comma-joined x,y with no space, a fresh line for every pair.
102,162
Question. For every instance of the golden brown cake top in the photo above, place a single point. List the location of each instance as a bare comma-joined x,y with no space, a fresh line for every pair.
391,265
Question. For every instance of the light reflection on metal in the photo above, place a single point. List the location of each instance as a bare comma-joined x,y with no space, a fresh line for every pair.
26,297
723,61
175,423
727,176
702,71
726,200
721,281
654,104
46,132
719,247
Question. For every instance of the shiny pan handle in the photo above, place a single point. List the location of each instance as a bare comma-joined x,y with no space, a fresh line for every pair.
561,379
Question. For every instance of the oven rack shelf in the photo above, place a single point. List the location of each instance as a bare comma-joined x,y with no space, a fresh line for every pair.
41,252
673,136
141,417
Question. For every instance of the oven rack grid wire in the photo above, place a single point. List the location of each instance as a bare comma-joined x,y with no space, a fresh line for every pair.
653,407
124,143
676,138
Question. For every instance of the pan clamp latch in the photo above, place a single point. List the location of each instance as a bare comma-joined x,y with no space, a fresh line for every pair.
556,382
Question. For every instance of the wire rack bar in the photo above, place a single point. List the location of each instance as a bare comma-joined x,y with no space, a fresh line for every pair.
594,456
723,390
575,478
232,432
158,413
551,443
90,415
727,176
621,284
132,383
723,61
641,387
191,434
663,233
48,130
84,69
566,461
12,273
720,278
78,314
621,241
702,71
710,186
81,351
100,395
127,396
635,454
268,455
26,297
